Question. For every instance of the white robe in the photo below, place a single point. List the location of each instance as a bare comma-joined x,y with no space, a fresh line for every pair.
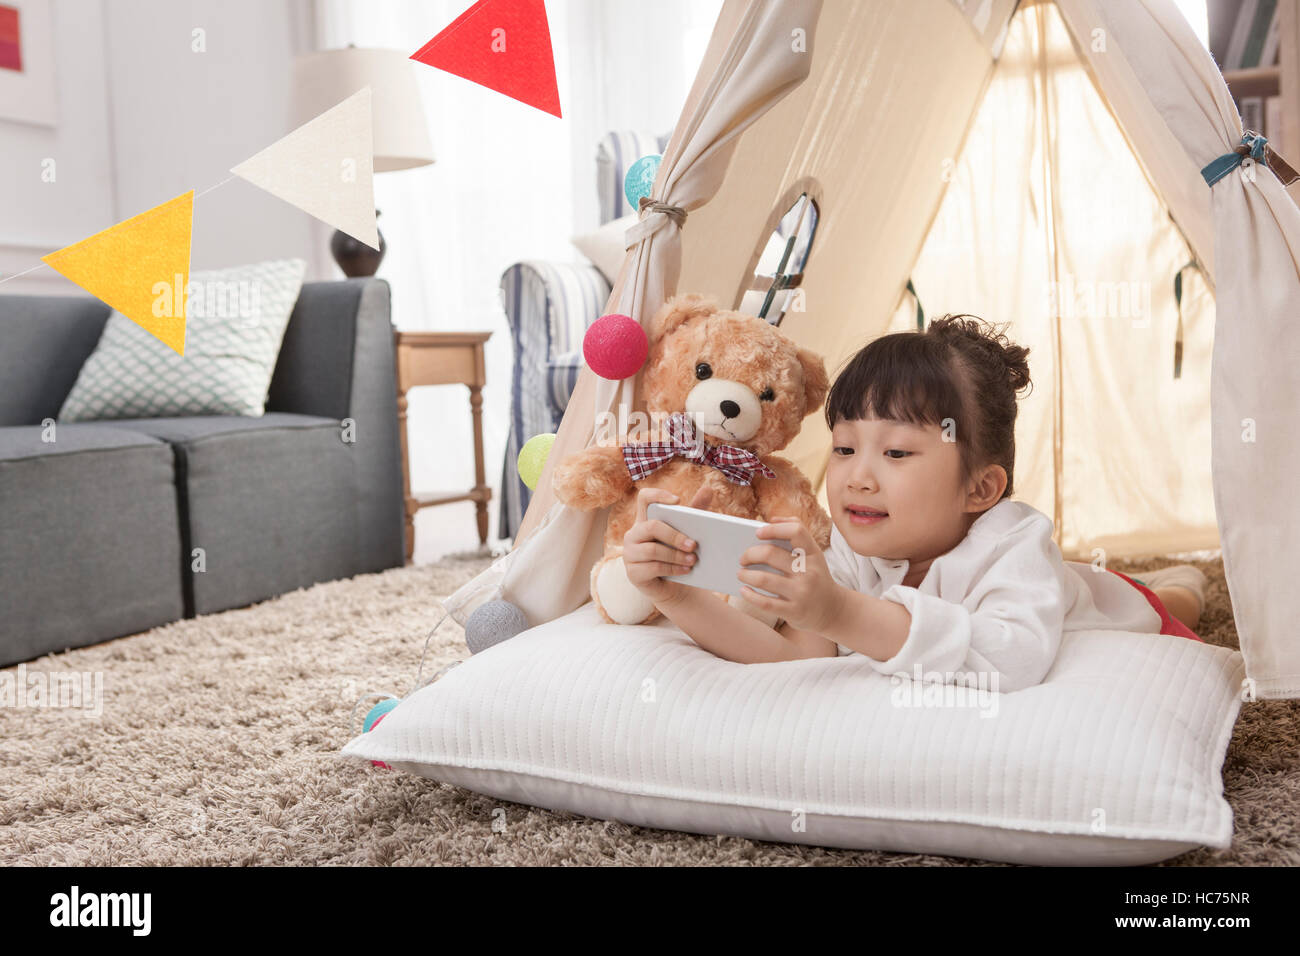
998,602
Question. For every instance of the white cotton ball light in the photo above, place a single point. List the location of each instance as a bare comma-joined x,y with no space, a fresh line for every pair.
492,623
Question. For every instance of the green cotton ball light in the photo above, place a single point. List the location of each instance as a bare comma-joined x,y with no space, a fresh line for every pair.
615,346
532,458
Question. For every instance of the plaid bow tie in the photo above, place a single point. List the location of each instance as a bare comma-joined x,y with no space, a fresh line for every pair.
738,464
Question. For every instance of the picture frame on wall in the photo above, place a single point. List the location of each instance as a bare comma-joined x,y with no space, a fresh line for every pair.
27,88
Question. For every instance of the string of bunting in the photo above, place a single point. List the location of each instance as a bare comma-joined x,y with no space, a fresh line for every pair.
324,167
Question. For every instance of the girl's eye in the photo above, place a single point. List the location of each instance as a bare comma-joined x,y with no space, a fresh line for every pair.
703,370
897,453
845,448
768,395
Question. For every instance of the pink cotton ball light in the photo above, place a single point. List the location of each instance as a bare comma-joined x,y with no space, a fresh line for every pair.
615,346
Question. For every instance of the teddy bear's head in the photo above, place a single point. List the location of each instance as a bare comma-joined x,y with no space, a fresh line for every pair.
740,379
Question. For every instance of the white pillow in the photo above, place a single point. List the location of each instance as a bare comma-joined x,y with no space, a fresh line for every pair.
604,247
234,323
1114,759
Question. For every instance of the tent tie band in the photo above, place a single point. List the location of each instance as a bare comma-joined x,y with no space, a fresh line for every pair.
1254,145
676,213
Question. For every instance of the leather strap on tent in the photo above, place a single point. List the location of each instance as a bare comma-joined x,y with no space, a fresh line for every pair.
1178,302
1256,147
920,312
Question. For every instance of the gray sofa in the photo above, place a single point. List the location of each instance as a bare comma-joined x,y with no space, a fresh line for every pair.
115,527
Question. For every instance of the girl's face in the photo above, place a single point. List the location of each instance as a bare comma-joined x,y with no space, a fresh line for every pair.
908,472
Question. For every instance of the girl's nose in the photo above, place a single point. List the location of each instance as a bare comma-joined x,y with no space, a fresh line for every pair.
862,481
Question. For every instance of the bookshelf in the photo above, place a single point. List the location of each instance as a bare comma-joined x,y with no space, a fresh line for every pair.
1270,75
1289,76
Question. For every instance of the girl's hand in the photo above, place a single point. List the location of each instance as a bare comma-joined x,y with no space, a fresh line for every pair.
807,596
652,549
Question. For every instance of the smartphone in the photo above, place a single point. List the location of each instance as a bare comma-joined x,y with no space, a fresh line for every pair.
720,540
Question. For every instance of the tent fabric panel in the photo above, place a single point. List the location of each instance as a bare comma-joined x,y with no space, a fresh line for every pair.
1135,440
989,20
1165,144
1255,389
872,131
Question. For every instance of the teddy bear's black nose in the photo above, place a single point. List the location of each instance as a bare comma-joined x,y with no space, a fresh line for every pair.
730,409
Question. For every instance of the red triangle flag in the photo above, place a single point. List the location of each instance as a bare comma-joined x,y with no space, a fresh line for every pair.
504,45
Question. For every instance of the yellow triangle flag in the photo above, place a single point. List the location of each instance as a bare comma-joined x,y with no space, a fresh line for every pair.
141,267
325,167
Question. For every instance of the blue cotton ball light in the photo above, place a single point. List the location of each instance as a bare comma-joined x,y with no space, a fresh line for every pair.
492,623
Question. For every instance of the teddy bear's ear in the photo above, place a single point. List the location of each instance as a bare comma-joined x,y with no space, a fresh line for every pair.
680,309
815,382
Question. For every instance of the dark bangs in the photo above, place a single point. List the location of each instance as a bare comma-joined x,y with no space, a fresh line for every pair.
906,377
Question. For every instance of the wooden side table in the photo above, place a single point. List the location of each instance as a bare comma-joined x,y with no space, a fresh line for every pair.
443,358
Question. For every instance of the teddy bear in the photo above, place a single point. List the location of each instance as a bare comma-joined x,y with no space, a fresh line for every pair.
722,391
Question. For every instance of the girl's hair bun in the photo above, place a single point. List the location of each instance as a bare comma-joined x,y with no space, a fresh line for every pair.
987,341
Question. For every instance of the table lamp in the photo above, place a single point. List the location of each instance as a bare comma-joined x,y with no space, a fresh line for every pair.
324,79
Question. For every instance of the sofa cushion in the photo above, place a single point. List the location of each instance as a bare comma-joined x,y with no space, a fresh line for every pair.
46,341
271,501
21,442
605,246
199,427
235,321
91,542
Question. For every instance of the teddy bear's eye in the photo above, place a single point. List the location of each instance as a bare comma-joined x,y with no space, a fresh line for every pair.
768,395
703,370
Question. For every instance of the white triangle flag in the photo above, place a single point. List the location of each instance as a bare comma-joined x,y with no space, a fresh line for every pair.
325,167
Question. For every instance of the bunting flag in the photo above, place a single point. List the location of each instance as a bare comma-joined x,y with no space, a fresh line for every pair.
326,168
140,267
504,45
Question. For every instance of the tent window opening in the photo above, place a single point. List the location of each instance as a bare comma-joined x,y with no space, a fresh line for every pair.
779,273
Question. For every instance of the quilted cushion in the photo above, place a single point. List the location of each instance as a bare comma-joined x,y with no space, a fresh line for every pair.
234,324
605,247
1114,759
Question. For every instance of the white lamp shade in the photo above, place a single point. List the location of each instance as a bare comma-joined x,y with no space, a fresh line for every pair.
324,79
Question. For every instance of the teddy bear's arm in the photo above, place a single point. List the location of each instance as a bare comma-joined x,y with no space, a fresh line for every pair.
593,478
790,493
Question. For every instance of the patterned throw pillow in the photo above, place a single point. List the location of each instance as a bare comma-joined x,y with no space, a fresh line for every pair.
235,321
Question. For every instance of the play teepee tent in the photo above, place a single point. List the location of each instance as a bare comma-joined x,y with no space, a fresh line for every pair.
1074,167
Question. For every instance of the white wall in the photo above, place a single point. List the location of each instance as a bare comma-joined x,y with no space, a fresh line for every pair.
143,118
645,69
36,217
510,183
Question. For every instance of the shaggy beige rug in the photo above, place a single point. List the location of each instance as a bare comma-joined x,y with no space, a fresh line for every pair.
219,737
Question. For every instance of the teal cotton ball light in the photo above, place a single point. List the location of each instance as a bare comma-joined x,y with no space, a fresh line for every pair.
377,712
640,179
615,346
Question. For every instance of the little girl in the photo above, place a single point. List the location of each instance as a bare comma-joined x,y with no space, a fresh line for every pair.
932,567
